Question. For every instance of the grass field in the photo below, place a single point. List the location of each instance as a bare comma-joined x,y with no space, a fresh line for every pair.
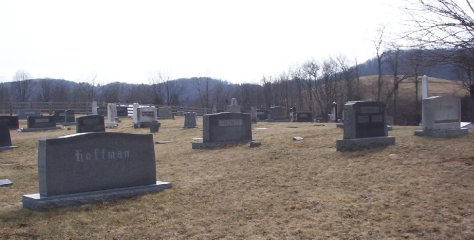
419,188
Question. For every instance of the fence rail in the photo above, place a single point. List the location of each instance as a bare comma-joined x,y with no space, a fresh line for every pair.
78,107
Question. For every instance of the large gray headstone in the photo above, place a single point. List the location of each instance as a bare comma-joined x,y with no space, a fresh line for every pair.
365,126
145,116
90,123
225,129
441,117
234,107
91,167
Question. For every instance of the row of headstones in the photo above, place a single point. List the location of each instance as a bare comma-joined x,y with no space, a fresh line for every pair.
110,165
365,123
275,113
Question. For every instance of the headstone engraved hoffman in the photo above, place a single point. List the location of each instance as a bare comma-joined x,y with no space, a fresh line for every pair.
24,113
5,139
111,116
91,167
90,123
234,107
42,123
220,129
303,116
278,113
365,126
441,117
11,121
190,119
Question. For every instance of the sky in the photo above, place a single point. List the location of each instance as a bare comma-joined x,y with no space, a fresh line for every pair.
239,41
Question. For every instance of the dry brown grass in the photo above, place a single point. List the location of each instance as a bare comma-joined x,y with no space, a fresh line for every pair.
420,188
436,87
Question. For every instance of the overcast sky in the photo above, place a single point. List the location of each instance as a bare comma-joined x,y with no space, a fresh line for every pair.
239,40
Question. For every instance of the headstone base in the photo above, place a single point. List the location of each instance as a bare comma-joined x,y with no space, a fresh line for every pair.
110,124
210,145
67,123
363,143
7,148
38,203
38,129
442,132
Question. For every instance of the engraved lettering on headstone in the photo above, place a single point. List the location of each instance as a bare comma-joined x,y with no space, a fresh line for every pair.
230,122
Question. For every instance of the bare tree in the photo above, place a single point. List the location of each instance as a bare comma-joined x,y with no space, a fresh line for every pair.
21,86
378,43
445,24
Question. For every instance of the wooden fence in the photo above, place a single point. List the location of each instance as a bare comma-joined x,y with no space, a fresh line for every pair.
78,107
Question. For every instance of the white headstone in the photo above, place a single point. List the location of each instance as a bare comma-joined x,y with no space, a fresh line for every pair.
111,115
94,107
424,86
135,112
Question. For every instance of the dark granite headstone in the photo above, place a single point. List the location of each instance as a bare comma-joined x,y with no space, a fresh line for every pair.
41,122
11,121
122,111
90,123
303,116
102,111
365,126
278,113
24,113
225,129
154,126
262,115
5,140
90,167
190,119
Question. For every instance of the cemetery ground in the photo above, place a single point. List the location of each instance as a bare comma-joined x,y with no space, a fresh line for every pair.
419,188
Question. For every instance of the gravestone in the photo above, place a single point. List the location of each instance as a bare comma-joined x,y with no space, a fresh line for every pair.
144,116
43,123
441,117
220,129
102,111
90,123
278,113
94,108
165,113
5,139
333,115
262,114
190,119
365,126
154,126
253,114
11,121
303,116
24,113
234,107
91,167
65,117
111,116
122,111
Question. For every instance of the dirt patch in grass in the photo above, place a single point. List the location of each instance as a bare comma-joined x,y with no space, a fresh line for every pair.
420,188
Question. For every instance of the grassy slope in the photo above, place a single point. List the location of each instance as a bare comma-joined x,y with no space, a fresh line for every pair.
418,188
